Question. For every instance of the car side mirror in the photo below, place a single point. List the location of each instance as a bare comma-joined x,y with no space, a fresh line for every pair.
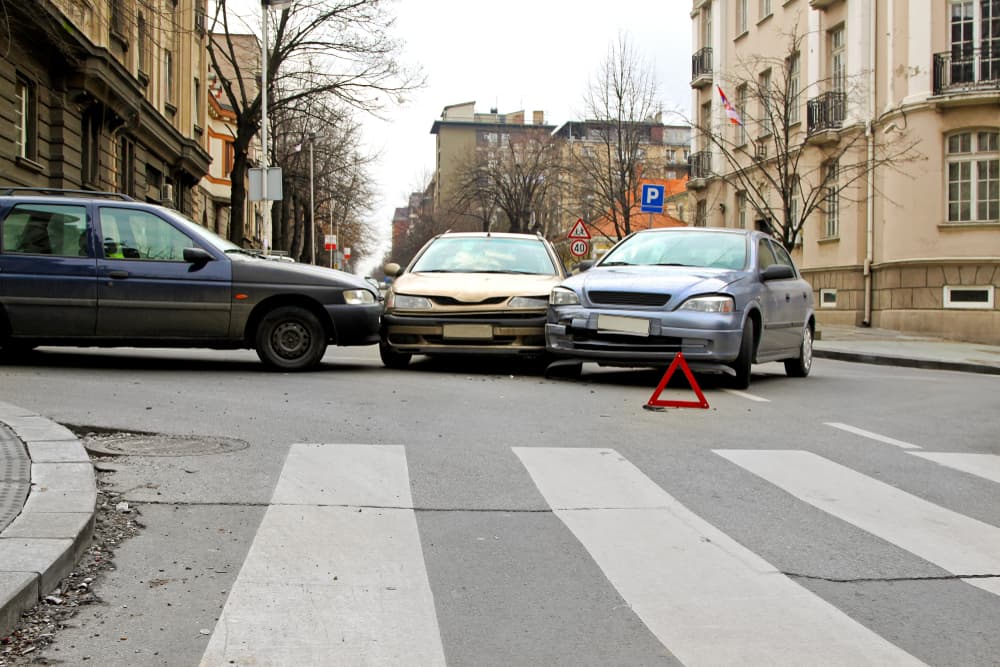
392,269
584,265
777,272
197,255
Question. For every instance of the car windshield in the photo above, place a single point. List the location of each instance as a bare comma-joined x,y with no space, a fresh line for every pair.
486,254
192,228
701,249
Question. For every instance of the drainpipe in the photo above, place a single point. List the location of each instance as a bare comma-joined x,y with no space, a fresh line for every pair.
870,142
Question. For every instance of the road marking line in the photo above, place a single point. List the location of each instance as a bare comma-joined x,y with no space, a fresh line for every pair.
952,541
709,600
743,394
873,436
335,574
986,466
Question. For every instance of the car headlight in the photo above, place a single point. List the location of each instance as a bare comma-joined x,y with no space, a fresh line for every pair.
407,302
528,302
710,304
563,296
357,297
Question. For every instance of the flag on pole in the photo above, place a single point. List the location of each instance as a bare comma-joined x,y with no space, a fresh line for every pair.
731,113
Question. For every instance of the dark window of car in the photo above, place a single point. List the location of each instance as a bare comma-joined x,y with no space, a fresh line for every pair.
781,255
765,255
133,234
44,229
486,255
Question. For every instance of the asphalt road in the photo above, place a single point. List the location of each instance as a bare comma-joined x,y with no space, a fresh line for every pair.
544,521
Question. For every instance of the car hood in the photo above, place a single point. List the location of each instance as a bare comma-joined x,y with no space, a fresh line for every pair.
251,270
474,287
674,280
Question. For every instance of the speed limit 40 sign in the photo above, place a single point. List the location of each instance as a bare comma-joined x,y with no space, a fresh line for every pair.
579,247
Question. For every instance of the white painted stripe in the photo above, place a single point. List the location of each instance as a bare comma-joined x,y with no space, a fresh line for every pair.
953,541
986,466
707,598
746,395
873,436
330,579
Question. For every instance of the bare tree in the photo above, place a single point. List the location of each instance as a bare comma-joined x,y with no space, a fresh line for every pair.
620,104
340,48
764,150
510,180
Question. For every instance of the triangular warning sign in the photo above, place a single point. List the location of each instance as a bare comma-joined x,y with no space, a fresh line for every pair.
654,400
579,230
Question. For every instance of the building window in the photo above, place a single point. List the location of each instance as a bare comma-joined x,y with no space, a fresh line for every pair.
832,230
26,118
701,214
126,165
741,17
766,110
793,210
973,167
741,210
969,298
706,121
90,147
706,25
838,61
142,42
765,8
975,31
197,102
794,87
828,298
741,109
168,61
116,21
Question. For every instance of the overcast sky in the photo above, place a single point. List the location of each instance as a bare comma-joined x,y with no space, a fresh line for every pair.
513,55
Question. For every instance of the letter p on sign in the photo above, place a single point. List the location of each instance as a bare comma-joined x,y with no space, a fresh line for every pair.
652,198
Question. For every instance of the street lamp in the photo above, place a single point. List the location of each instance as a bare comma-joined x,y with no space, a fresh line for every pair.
265,5
312,203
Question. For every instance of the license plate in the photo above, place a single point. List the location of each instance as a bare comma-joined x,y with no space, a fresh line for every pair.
467,331
636,326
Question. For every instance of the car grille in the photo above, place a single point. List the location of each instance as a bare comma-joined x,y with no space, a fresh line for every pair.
606,298
614,342
451,301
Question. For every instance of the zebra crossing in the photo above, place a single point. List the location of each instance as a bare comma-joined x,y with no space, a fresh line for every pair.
337,574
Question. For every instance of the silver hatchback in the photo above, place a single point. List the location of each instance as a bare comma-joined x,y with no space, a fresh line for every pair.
726,298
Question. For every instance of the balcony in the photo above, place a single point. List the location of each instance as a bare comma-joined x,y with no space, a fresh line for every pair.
963,71
825,115
701,67
699,169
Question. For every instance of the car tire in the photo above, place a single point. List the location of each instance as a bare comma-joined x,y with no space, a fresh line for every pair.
801,365
743,362
290,338
391,358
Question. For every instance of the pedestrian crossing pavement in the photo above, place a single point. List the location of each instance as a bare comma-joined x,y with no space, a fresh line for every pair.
337,573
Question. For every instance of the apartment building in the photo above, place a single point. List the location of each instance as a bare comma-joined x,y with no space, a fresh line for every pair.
906,93
106,95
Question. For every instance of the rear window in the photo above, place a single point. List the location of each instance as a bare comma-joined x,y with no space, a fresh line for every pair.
46,229
493,254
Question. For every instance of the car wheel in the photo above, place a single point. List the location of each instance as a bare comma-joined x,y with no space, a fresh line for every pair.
743,362
391,358
800,366
290,338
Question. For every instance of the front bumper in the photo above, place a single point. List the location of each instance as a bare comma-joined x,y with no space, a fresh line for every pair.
704,338
455,334
356,324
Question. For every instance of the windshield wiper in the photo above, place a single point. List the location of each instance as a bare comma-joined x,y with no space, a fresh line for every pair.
672,264
617,264
241,251
511,271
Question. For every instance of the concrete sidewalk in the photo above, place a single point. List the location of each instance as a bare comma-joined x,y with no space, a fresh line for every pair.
48,489
48,494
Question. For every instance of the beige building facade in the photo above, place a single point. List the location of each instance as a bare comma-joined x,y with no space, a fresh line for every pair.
914,243
106,95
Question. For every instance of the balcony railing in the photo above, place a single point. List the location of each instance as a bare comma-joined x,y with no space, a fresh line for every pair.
962,70
701,66
700,164
826,112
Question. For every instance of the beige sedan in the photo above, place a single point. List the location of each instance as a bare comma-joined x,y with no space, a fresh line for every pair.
470,293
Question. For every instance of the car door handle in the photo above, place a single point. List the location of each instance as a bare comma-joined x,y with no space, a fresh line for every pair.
788,297
118,274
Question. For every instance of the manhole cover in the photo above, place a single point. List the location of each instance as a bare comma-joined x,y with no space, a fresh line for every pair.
135,444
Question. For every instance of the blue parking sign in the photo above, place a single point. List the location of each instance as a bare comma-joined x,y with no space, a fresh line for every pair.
652,198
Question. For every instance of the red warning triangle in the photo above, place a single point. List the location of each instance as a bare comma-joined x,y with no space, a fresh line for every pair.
654,400
579,230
